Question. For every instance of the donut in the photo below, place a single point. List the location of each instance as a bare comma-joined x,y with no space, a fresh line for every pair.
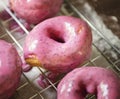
104,83
10,69
35,11
58,44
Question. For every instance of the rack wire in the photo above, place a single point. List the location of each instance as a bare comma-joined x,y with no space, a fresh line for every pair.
107,57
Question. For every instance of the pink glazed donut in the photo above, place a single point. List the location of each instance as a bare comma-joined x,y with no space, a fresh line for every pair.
93,80
35,11
58,44
10,69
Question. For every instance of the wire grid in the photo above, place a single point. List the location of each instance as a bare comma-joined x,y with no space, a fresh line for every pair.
106,51
28,88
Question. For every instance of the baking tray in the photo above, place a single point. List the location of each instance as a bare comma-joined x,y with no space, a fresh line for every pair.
105,48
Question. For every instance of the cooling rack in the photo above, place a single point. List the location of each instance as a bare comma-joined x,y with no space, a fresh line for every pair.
104,53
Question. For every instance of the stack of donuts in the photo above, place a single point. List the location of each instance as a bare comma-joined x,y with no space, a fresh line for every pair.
59,44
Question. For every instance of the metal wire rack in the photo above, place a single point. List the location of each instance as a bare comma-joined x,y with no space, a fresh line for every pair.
106,55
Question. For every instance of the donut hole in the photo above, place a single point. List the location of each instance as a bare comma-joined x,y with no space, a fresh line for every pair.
56,35
82,91
85,93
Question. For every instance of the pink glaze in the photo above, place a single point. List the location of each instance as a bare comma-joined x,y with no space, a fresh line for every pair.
93,80
10,69
12,24
53,77
35,11
25,67
61,43
4,15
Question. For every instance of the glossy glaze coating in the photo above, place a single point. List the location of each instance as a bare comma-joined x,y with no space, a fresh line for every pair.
93,80
60,43
10,69
35,11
